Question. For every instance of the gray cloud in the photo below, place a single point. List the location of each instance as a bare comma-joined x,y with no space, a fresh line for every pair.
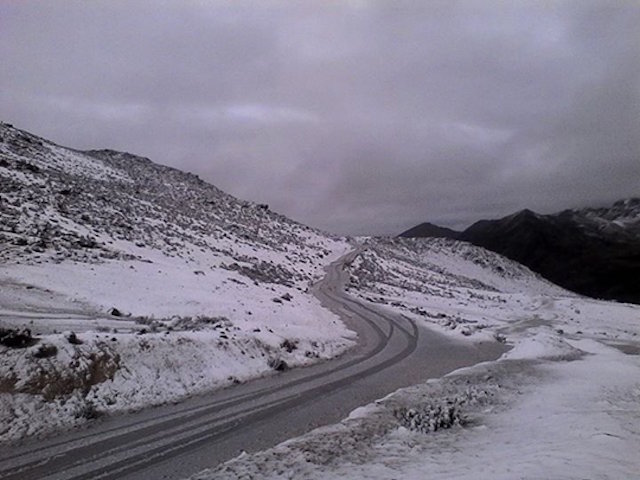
357,117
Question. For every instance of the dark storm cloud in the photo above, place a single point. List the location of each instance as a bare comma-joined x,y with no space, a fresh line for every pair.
358,117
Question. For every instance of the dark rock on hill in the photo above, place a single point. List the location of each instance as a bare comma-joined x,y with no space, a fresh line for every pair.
430,230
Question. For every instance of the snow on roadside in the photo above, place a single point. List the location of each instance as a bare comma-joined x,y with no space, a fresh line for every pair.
92,374
564,402
520,418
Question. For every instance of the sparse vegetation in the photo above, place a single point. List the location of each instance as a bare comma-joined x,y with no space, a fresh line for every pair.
45,351
198,322
88,411
14,338
120,197
431,417
73,339
278,364
289,345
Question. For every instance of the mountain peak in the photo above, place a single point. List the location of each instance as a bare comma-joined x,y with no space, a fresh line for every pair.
524,214
427,229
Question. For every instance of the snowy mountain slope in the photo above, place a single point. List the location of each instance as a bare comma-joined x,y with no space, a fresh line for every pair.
562,403
446,282
206,288
474,292
592,251
622,218
59,204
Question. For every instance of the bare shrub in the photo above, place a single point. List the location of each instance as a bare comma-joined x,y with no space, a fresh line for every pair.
289,345
431,417
14,338
88,411
278,364
46,351
73,339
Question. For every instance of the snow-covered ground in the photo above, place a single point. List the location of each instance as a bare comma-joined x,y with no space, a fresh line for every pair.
563,403
208,290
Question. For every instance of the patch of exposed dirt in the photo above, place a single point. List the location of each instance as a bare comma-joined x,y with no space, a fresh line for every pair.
53,380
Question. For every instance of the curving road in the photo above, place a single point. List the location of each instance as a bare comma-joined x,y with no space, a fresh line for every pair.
176,441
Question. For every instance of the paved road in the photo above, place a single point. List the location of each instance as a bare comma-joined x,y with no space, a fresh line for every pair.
176,441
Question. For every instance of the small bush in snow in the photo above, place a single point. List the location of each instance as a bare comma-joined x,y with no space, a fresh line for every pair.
445,413
287,297
46,351
278,364
430,417
289,345
88,411
199,322
14,338
500,338
73,339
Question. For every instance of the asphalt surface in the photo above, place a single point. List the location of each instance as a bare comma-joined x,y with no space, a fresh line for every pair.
176,441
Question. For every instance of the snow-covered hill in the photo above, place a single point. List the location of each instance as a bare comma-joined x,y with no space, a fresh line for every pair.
59,205
169,285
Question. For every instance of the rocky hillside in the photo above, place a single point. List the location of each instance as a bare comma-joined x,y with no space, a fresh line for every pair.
57,204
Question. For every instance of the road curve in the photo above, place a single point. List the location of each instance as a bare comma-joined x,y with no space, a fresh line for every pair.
176,441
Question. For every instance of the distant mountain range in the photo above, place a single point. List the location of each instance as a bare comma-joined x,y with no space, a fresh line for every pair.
59,205
592,251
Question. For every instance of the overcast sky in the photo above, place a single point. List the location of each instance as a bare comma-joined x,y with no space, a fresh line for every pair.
354,116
